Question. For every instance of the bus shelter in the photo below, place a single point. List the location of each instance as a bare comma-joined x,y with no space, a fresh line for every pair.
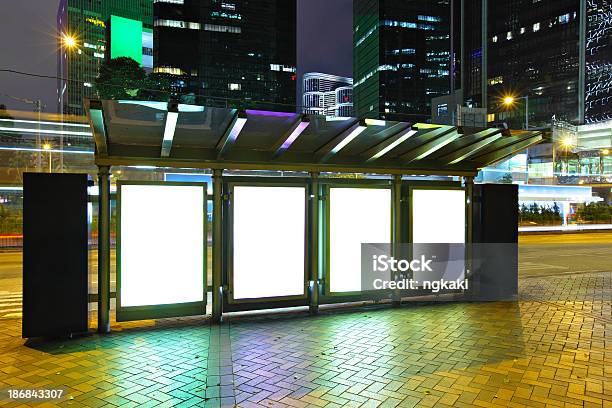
276,241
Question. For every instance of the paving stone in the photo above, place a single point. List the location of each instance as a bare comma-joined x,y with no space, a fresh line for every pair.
548,349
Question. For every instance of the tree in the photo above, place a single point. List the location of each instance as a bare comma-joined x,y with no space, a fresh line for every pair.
123,78
505,179
157,88
120,78
4,113
20,162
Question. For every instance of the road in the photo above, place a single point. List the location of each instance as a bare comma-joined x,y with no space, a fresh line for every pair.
553,254
540,255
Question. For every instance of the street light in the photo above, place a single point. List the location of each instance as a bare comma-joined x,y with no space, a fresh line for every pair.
69,41
47,146
510,100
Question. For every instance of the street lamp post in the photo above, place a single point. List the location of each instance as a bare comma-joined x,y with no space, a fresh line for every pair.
68,42
510,100
47,147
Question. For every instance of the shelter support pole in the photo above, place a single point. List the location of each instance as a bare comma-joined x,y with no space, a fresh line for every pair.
313,248
217,295
396,228
104,221
469,225
469,208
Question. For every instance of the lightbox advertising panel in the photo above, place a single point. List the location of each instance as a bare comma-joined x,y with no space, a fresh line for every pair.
356,216
162,244
269,225
438,216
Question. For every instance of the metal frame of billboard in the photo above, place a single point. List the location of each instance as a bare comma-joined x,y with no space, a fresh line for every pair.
229,303
163,310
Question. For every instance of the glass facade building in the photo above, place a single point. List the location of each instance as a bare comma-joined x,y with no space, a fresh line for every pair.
532,50
328,95
86,22
401,57
598,60
228,53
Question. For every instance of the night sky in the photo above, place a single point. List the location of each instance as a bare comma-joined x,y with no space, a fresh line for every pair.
27,30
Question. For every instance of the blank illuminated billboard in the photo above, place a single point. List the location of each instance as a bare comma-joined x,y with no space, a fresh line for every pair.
162,244
356,216
269,225
438,216
126,38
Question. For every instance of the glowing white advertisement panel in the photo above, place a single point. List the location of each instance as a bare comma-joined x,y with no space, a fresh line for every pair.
438,216
162,244
269,225
356,216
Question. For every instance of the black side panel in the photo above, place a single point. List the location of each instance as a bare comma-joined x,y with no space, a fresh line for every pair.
496,213
496,239
54,254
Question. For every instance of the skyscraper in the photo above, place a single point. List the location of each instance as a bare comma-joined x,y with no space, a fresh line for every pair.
531,50
598,61
234,53
557,54
329,95
86,23
401,57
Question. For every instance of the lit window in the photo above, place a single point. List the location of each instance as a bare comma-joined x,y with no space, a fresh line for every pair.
442,109
429,18
87,84
234,87
98,55
168,70
222,28
522,30
509,35
494,38
160,22
564,19
536,27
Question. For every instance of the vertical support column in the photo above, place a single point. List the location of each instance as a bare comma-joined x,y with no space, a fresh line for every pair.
484,54
217,295
469,213
396,229
469,227
527,112
104,221
451,69
582,61
462,57
314,243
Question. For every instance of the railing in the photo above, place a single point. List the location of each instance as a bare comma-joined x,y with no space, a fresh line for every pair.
15,241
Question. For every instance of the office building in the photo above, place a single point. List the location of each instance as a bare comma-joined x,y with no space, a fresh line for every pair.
328,95
598,61
401,57
234,53
88,26
533,51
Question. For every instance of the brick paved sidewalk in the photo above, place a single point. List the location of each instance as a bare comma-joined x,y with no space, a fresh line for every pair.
529,353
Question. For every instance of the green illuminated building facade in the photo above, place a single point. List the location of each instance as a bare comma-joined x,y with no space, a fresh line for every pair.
91,24
401,55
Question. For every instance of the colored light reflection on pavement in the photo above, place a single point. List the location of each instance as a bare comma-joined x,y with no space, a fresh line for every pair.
458,354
